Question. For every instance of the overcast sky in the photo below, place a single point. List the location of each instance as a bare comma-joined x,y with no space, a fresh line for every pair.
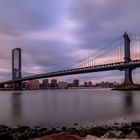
54,33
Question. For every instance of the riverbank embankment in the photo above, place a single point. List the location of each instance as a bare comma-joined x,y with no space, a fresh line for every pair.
121,131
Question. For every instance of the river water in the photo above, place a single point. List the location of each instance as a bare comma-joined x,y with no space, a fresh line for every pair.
65,107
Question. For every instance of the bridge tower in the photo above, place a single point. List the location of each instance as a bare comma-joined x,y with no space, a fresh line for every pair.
127,58
16,67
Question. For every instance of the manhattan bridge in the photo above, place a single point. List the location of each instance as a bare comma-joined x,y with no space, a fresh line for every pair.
122,54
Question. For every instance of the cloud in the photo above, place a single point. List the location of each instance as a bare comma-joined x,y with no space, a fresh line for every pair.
52,36
104,21
29,15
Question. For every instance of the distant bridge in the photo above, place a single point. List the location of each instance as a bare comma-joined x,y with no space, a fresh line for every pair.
116,56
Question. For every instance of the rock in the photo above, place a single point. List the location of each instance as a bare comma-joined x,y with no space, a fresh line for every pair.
6,136
3,127
116,123
135,124
75,124
72,130
17,136
21,129
133,135
113,134
59,136
42,131
90,137
108,135
64,128
97,131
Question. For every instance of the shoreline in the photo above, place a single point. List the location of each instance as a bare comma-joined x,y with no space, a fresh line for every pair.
4,89
117,130
120,88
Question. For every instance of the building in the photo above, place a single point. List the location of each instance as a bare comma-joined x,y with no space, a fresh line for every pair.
90,84
45,83
62,85
85,84
54,83
76,83
25,85
69,84
33,84
104,84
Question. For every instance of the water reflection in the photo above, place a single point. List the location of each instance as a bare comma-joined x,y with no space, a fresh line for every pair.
128,101
16,105
65,107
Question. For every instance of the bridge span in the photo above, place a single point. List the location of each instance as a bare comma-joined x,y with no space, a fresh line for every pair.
106,67
126,65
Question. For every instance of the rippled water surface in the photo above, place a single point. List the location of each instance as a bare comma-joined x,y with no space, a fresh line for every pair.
69,106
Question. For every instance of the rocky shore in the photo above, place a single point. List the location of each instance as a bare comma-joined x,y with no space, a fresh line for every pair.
129,131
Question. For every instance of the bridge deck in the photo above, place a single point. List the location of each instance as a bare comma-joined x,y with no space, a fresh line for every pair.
105,67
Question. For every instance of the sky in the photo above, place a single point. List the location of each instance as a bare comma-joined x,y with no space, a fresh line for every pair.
55,33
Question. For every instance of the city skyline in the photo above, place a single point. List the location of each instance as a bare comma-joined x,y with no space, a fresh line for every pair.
56,84
61,33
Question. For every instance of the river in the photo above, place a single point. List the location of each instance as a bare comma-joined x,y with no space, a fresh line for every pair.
66,107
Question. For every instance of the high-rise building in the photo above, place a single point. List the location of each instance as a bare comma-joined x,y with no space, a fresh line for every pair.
46,83
85,84
76,83
54,83
34,84
90,84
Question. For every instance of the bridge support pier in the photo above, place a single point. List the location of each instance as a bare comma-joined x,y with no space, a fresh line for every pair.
17,86
16,68
1,86
127,58
128,77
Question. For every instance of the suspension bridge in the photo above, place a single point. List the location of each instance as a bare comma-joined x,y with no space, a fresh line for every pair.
122,54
